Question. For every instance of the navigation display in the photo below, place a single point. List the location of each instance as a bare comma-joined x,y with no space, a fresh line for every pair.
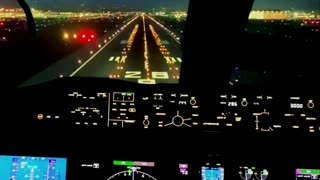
251,172
209,173
303,174
25,167
133,170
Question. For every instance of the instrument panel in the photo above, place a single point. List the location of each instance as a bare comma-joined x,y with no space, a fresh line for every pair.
124,132
183,110
129,110
62,168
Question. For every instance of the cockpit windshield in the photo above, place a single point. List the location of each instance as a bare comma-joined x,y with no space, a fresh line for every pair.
137,41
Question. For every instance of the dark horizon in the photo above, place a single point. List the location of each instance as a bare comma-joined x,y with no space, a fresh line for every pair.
307,5
77,5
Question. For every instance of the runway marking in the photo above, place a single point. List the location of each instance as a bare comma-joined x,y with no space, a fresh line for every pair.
138,75
111,58
123,59
124,42
146,81
117,59
133,75
146,54
101,49
160,75
164,28
165,42
172,60
167,59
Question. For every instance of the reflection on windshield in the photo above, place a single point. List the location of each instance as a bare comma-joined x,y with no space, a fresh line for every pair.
286,19
138,42
271,22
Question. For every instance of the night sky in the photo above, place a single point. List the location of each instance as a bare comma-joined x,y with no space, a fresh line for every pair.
148,4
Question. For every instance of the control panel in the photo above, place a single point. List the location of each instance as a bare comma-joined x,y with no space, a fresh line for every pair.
183,110
129,110
156,132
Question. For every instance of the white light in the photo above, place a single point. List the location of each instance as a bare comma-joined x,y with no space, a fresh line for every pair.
66,35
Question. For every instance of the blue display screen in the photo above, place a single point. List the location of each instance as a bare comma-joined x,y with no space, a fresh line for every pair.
25,167
212,173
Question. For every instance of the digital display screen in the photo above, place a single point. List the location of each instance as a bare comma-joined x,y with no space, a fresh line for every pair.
212,173
31,168
302,174
137,170
183,169
252,172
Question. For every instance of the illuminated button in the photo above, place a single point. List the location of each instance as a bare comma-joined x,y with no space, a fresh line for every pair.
310,104
40,116
146,123
193,101
244,102
132,110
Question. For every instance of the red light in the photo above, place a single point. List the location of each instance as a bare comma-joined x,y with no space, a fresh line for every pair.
1,24
87,35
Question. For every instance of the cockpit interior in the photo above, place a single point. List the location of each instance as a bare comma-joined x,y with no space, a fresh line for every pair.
160,90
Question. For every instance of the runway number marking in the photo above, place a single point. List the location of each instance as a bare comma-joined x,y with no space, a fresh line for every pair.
138,75
160,75
146,81
133,75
